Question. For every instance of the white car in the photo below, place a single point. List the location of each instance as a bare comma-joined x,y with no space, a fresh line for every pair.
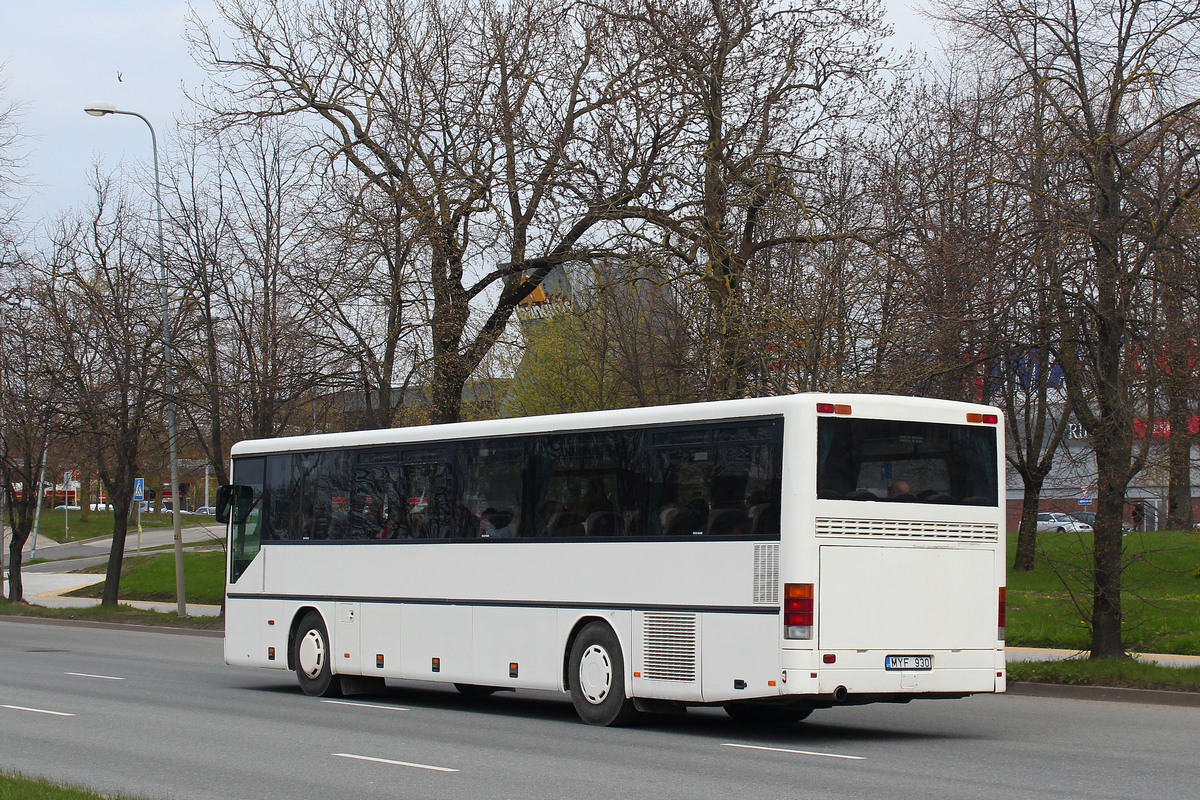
1056,521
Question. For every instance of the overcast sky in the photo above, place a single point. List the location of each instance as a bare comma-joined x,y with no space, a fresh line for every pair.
59,55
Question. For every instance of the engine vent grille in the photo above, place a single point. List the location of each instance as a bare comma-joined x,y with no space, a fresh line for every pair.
908,529
670,647
766,573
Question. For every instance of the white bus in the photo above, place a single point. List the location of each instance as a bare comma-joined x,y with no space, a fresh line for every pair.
770,555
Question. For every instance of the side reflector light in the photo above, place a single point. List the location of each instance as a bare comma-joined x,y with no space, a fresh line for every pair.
829,658
990,419
798,611
1002,616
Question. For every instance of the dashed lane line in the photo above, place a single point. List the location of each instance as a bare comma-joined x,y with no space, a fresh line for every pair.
395,763
795,752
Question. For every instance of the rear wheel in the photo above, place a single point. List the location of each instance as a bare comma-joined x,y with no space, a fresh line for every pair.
311,657
767,714
596,674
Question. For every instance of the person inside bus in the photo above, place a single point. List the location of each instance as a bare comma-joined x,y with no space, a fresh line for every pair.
900,492
495,524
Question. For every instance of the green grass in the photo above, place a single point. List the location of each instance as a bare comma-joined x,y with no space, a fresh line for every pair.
1160,601
1122,672
99,523
19,787
152,577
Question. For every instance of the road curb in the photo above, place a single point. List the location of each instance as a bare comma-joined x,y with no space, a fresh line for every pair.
116,626
1113,694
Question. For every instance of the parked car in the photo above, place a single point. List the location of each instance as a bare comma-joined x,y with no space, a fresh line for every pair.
209,510
1089,518
66,508
1056,521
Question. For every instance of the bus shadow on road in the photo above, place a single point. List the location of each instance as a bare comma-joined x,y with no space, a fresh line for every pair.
823,729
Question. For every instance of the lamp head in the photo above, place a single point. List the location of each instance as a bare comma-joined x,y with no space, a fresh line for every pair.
100,108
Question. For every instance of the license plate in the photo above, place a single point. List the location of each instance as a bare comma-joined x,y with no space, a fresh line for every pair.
908,663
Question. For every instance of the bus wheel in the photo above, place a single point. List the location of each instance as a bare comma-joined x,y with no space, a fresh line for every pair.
311,656
765,714
475,690
596,674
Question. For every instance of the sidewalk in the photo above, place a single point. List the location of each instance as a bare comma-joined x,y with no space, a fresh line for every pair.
1049,654
44,584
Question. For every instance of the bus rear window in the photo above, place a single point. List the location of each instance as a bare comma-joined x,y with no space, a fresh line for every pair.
903,461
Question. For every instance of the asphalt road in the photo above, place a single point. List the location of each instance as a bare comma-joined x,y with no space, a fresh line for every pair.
159,715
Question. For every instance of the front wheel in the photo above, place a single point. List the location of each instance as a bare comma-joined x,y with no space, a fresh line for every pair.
596,674
311,656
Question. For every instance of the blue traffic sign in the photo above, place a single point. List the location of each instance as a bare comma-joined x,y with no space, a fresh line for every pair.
1085,501
139,488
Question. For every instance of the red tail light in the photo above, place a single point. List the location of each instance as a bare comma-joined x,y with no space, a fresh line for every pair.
798,610
1002,617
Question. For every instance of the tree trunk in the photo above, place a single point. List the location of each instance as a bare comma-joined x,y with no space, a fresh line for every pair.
1027,535
15,587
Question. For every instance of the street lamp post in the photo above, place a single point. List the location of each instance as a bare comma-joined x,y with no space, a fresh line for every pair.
101,109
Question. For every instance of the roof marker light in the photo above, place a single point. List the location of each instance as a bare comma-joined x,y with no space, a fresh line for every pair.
833,408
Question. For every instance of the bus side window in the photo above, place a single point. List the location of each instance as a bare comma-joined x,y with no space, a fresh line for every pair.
445,516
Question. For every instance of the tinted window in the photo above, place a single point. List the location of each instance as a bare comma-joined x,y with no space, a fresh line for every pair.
716,480
727,484
898,461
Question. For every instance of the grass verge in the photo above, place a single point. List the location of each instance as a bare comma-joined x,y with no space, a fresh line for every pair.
55,525
1051,606
152,578
1121,672
19,787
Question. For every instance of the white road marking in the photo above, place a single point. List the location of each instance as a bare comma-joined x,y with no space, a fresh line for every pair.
38,711
364,705
89,675
796,752
396,763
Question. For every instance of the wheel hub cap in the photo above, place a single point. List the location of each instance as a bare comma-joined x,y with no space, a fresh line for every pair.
595,674
311,654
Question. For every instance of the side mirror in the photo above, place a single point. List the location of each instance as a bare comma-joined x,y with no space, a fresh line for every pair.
230,497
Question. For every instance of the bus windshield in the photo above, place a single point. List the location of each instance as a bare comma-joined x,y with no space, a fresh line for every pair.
906,461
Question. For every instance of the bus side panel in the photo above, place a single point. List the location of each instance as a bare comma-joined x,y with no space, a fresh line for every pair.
437,643
746,664
515,640
380,630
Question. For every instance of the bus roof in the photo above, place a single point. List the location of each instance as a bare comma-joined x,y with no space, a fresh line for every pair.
916,408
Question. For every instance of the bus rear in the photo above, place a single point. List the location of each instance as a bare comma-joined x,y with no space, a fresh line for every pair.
894,585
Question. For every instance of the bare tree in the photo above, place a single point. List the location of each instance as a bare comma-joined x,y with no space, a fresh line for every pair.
1115,78
29,417
103,327
458,116
754,91
240,231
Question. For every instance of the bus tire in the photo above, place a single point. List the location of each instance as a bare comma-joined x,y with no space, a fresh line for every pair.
596,675
311,655
766,714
